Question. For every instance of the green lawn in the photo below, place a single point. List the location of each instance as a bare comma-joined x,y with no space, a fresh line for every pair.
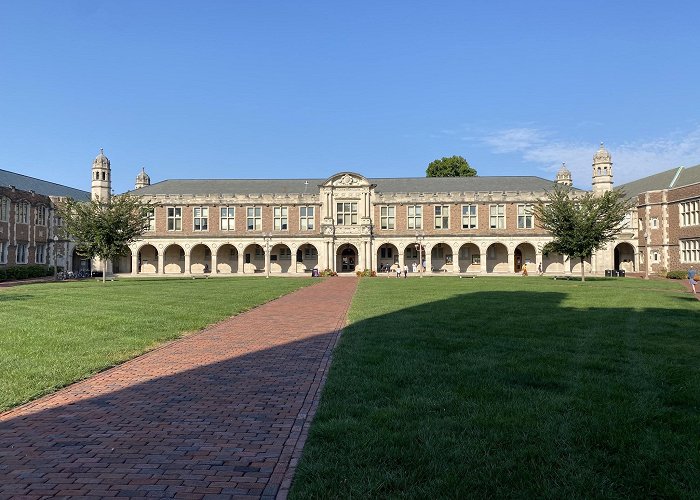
510,387
54,334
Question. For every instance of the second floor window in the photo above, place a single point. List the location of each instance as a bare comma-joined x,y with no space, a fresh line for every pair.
690,213
174,218
469,220
151,219
22,215
346,214
306,218
497,216
228,219
442,217
254,218
415,216
280,218
201,218
690,250
387,217
41,215
524,216
4,208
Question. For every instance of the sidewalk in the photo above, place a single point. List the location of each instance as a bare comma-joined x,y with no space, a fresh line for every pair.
221,413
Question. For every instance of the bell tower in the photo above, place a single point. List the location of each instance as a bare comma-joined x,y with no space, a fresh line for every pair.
101,178
602,171
142,180
564,176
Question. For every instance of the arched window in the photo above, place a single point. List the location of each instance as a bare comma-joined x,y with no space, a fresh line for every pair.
4,208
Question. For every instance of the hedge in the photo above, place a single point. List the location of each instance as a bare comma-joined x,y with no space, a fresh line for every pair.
677,275
24,272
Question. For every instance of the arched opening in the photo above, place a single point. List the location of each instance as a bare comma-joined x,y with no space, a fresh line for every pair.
227,259
346,258
253,259
497,258
524,255
307,258
122,264
387,257
200,259
174,260
441,257
624,258
412,257
281,259
576,267
553,263
147,260
469,258
80,263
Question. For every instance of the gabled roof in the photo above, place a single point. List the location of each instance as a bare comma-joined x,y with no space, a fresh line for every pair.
383,185
26,183
676,177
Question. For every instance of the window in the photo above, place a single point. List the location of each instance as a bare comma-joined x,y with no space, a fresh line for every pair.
386,252
525,216
656,256
469,217
228,218
310,252
346,214
654,223
497,216
22,215
151,219
201,218
41,215
442,217
254,218
415,217
21,253
285,253
174,218
280,218
4,208
306,218
4,246
40,255
387,217
690,250
690,213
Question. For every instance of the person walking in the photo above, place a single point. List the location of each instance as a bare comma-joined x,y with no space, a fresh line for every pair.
398,271
405,270
691,278
524,269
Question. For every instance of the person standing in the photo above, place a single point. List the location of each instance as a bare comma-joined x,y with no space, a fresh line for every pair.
524,269
405,270
691,278
398,271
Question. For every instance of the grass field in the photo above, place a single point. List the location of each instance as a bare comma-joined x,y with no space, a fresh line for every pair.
512,387
53,334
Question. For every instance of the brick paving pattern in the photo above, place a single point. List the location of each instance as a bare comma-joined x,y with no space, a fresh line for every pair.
220,414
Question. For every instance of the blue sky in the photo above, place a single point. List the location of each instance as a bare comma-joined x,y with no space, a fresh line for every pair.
306,89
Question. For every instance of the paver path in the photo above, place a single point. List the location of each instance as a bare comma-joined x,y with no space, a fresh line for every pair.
221,413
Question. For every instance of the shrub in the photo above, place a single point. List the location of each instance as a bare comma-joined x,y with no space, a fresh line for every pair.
677,275
25,272
328,272
366,274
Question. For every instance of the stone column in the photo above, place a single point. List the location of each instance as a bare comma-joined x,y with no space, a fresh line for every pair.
511,260
161,261
187,262
402,260
428,257
241,262
268,249
213,263
455,260
135,262
538,262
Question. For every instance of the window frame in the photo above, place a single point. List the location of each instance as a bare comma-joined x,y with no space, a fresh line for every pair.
497,217
40,254
22,211
280,218
24,247
200,223
4,209
4,251
307,222
444,219
526,217
414,219
387,217
228,214
346,213
256,217
470,217
175,219
689,213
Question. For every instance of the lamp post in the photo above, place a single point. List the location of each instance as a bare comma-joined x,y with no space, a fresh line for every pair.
55,257
267,237
419,247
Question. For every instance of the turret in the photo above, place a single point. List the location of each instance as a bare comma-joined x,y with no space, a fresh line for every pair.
564,176
142,180
602,171
101,178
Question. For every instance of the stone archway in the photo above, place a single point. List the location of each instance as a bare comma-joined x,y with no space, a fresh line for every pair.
497,258
387,257
346,258
524,254
307,258
470,258
624,257
227,259
174,260
253,259
147,259
441,258
411,257
200,259
281,259
80,263
553,263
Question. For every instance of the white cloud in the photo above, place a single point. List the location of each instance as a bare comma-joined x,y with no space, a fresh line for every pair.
631,160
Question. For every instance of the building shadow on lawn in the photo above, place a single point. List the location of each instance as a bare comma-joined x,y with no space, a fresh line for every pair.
15,297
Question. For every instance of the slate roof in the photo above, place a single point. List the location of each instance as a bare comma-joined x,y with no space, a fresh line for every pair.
676,177
384,185
26,183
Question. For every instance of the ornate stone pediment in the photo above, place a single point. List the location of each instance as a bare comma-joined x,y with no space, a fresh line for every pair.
346,179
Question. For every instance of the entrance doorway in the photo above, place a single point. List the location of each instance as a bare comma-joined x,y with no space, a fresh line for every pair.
518,260
348,259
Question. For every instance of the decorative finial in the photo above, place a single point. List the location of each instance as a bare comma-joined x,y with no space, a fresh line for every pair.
102,151
563,164
601,145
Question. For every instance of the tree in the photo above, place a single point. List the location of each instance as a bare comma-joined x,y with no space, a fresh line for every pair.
580,225
104,230
454,166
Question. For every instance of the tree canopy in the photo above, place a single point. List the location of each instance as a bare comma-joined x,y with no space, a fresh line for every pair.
454,166
104,230
580,225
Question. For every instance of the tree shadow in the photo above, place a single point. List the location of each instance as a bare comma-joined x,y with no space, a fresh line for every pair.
15,297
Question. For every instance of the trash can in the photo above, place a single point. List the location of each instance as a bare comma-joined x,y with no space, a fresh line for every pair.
621,273
314,273
615,273
608,273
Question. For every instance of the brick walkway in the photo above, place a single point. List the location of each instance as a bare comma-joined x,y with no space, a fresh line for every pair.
223,413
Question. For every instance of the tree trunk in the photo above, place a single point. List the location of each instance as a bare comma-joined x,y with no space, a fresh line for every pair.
583,271
104,271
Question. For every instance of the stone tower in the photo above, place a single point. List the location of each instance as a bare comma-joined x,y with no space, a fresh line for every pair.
142,180
101,178
564,176
602,171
